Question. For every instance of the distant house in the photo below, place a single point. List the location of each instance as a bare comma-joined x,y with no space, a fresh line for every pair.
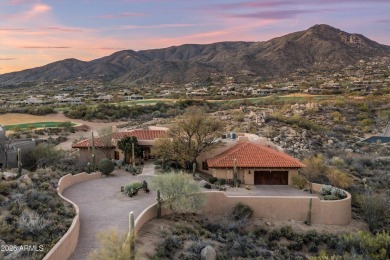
146,139
133,97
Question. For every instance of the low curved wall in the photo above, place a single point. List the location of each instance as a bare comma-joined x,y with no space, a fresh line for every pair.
335,212
65,247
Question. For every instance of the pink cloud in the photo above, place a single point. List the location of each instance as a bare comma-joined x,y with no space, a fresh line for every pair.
45,47
7,59
63,29
158,26
122,15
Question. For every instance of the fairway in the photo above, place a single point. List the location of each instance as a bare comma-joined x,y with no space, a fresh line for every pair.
36,125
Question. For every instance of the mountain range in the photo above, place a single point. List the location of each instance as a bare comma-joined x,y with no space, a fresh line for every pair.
319,47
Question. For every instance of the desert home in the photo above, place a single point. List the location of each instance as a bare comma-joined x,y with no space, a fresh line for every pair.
145,138
258,161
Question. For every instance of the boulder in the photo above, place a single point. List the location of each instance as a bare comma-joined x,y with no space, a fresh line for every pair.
9,176
208,253
204,183
265,253
26,180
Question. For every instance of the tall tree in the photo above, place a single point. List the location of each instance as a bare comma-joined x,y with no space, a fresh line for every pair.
125,144
195,133
4,147
105,137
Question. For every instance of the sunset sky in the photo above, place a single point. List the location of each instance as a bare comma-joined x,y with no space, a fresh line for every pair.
37,32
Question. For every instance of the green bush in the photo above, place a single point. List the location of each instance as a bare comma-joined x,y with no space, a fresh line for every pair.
241,211
133,186
331,197
212,180
168,247
274,235
299,182
287,232
106,166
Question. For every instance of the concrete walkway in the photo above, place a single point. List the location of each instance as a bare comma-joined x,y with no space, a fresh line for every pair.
148,169
102,206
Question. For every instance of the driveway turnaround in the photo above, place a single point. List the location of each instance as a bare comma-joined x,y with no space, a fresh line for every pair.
102,206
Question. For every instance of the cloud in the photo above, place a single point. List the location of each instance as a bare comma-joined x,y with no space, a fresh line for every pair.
64,29
7,59
271,14
14,29
45,47
158,26
253,4
122,15
381,21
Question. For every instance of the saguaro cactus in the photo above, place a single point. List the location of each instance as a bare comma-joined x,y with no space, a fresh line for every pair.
159,200
93,153
132,154
19,162
308,220
132,235
235,173
193,169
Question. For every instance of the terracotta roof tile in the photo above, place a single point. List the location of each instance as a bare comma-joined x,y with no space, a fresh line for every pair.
140,134
250,155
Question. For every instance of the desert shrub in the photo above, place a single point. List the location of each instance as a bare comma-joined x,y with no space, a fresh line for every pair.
168,247
311,236
106,166
274,235
197,247
370,246
312,247
221,181
325,190
338,178
260,231
131,187
297,245
241,211
299,182
212,180
5,188
113,246
134,169
287,232
331,197
374,209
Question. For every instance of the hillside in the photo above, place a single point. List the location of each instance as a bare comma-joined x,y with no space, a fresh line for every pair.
318,47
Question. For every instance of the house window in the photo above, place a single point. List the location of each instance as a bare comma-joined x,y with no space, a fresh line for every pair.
205,166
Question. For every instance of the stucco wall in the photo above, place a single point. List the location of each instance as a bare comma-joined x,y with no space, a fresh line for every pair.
65,247
86,155
284,208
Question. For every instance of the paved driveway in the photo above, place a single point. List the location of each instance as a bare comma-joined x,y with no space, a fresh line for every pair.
102,206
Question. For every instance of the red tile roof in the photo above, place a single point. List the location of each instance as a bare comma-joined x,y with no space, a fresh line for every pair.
140,134
250,155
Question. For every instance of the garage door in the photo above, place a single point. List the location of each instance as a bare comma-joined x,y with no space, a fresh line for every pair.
271,178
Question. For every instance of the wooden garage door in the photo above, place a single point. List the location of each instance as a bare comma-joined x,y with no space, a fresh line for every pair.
271,178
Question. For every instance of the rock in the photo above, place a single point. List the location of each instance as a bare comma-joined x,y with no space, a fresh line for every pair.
26,180
9,176
203,184
268,223
265,252
208,253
